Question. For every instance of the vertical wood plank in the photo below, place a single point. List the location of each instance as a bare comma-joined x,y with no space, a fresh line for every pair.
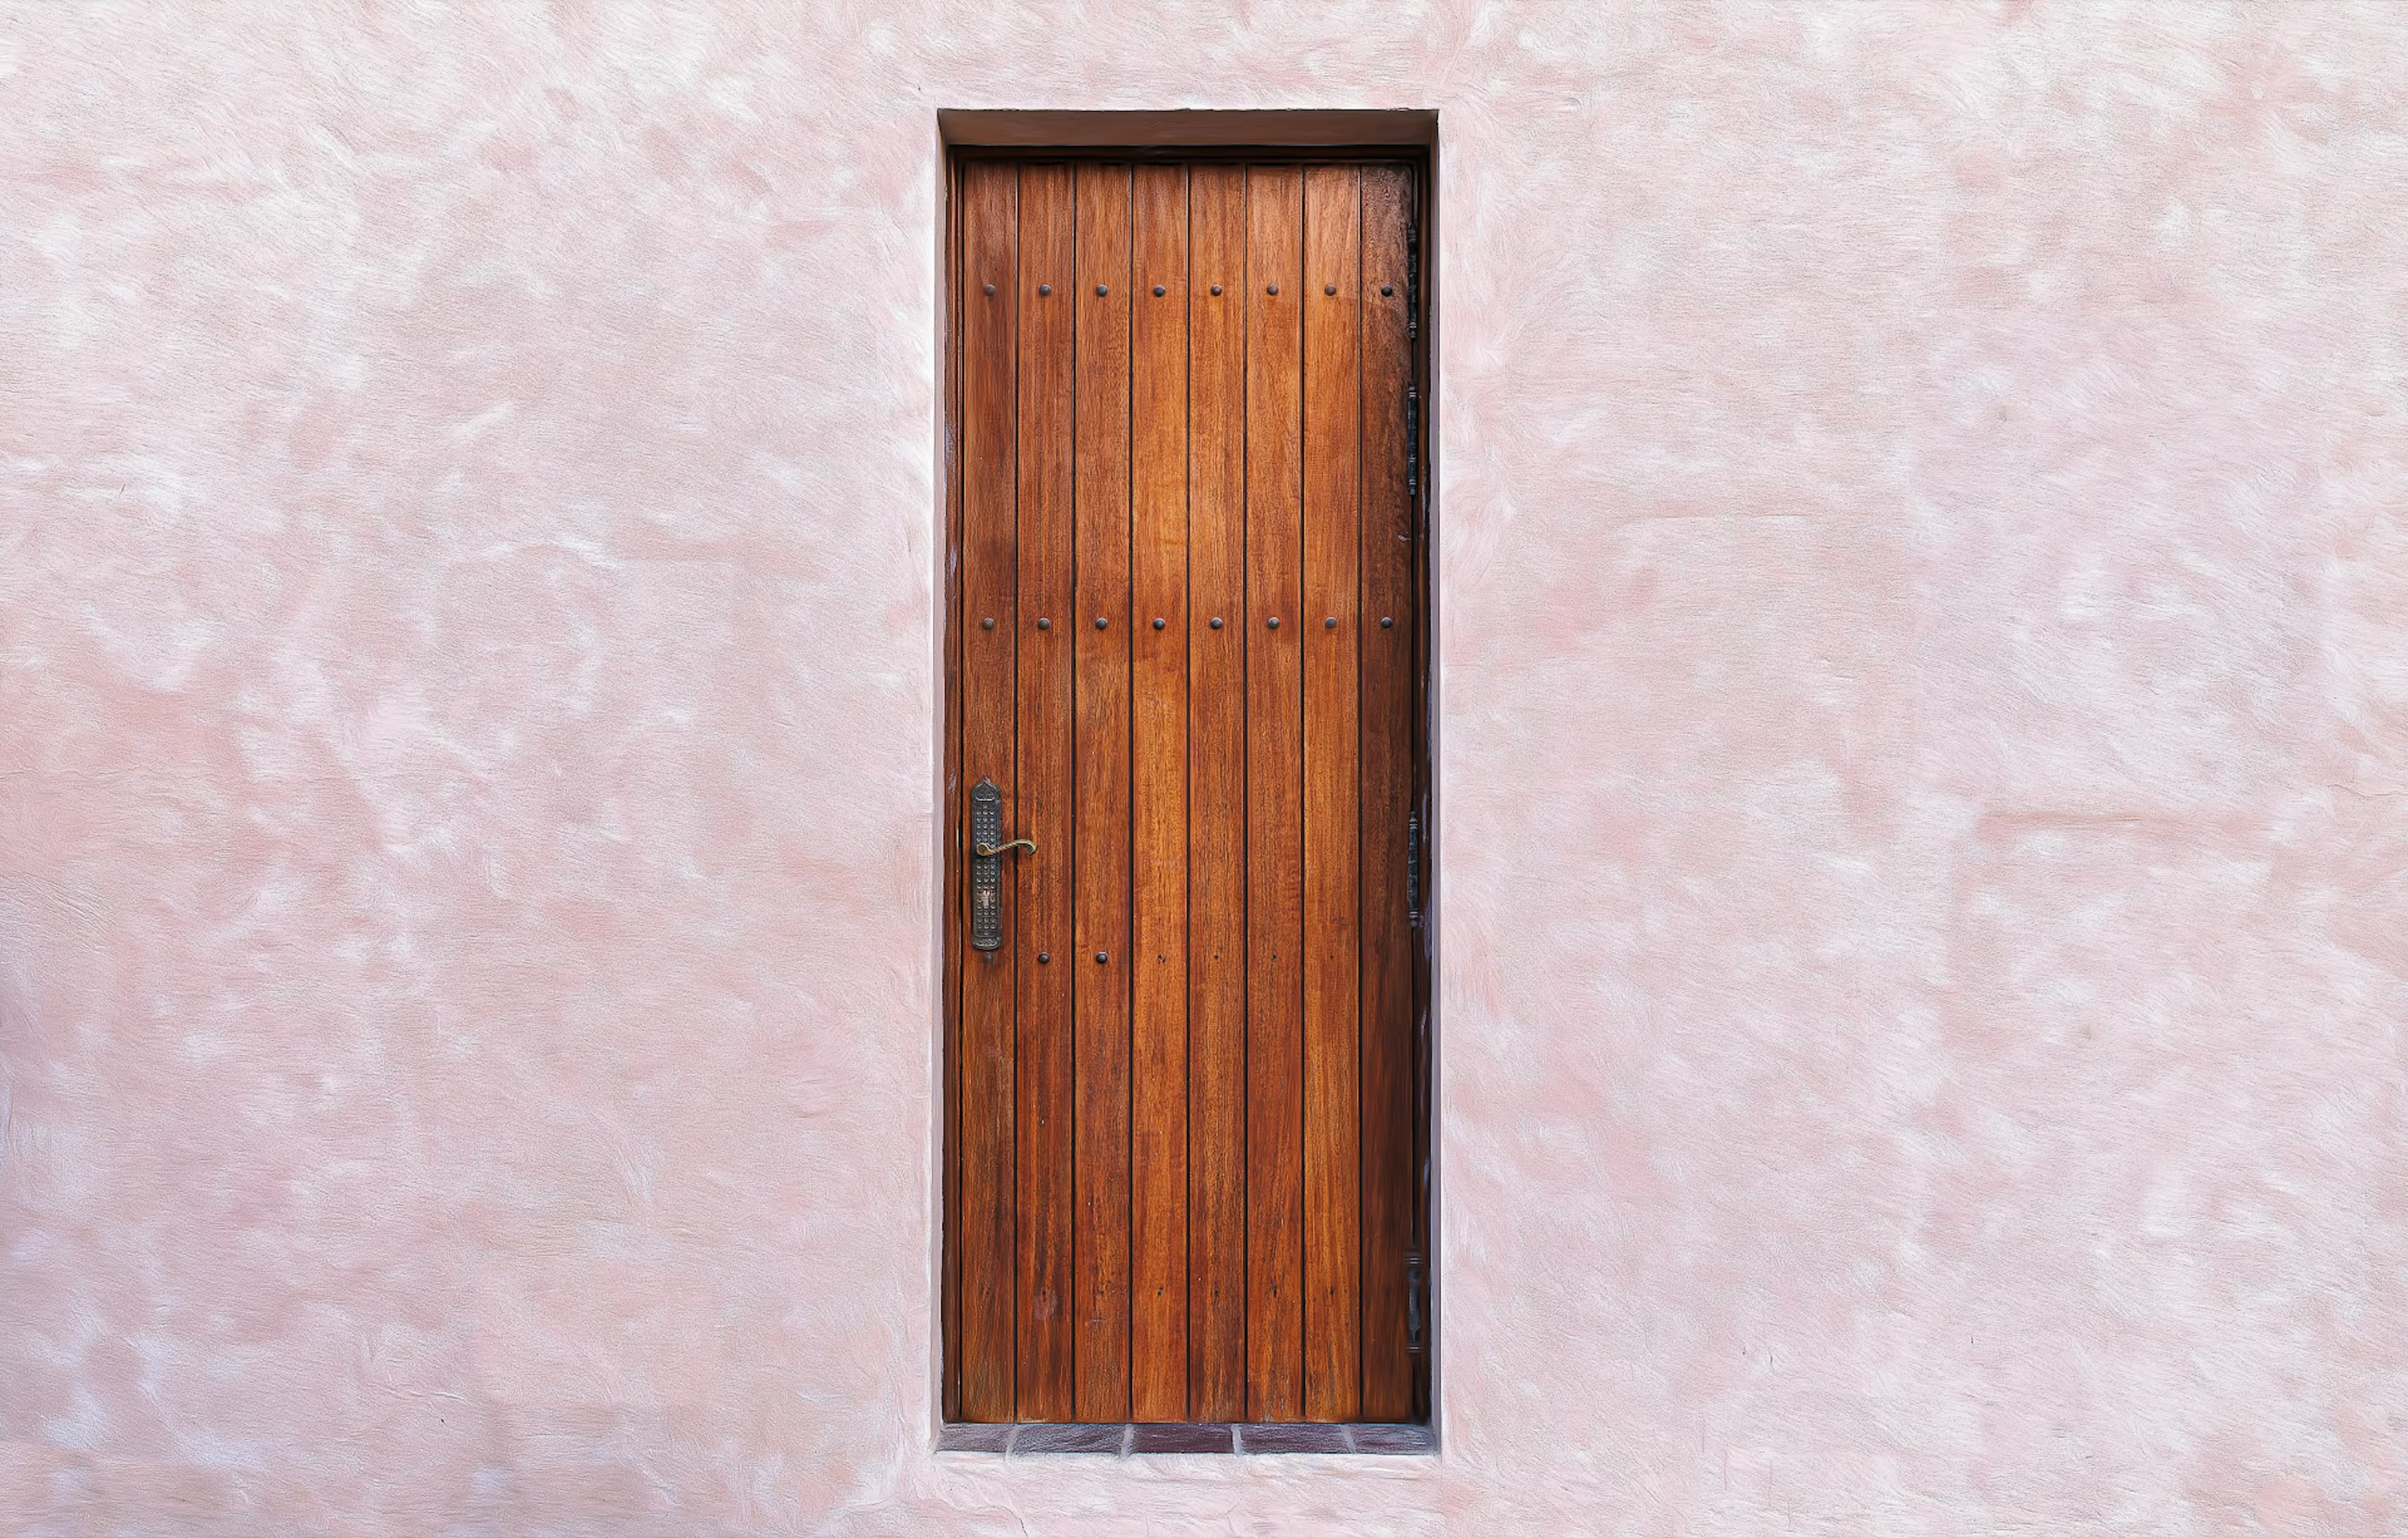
1046,796
1426,887
1328,298
952,807
1388,662
1158,790
1275,798
1216,767
1101,1268
983,1150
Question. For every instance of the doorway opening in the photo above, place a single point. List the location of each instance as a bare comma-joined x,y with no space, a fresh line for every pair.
1187,1076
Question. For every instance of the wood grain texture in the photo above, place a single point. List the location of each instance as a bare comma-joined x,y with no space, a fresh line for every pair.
952,816
1388,664
1328,297
1274,801
985,1197
1100,1268
1216,767
1046,798
1183,1094
1421,799
1159,795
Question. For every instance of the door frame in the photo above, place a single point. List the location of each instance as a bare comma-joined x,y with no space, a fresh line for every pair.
1410,136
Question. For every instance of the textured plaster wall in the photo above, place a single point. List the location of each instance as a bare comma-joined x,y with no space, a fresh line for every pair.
1924,710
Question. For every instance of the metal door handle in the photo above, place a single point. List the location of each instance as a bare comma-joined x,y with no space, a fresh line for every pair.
986,870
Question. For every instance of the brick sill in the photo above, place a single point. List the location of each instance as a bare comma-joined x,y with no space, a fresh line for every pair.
1107,1440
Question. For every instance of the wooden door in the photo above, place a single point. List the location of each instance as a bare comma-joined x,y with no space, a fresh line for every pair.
1181,1177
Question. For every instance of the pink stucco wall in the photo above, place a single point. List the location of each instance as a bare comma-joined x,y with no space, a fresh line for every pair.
1925,711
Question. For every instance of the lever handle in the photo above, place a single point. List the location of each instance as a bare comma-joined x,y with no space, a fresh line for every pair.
989,851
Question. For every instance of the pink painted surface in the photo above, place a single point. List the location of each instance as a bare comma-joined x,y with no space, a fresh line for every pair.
1925,578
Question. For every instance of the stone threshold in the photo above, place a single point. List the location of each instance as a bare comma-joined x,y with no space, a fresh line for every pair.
1123,1440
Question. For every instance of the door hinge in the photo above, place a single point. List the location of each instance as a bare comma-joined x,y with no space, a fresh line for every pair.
1413,868
1414,1312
